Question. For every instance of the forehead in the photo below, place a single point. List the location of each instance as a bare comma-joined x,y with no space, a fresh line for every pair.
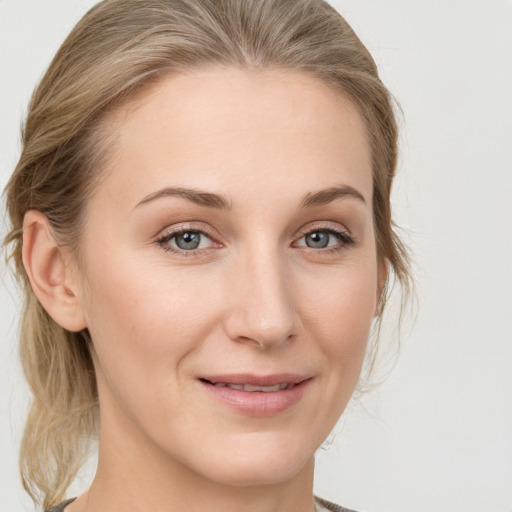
212,128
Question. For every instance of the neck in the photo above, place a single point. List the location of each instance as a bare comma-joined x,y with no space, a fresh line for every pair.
135,475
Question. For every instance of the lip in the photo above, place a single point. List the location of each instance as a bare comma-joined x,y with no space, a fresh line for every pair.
257,403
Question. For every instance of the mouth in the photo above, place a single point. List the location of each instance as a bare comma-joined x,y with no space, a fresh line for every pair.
257,395
251,387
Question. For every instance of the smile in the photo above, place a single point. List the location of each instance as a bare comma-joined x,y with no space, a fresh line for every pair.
251,388
257,395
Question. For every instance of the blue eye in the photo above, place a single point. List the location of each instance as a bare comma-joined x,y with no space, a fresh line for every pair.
325,239
188,240
185,240
318,239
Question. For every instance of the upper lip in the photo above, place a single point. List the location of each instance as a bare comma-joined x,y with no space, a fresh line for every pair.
255,380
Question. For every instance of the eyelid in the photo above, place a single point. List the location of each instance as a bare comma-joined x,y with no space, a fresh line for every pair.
344,236
324,226
170,232
176,229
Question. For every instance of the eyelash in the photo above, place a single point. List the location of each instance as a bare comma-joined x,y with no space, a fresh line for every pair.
343,237
164,239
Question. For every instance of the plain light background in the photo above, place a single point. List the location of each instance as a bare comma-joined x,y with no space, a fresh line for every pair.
437,435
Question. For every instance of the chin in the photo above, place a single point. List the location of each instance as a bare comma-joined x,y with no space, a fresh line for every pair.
259,462
258,475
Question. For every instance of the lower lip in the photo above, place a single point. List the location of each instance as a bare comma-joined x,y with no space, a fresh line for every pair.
258,403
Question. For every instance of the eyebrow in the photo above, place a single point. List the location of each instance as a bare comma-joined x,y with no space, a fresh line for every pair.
211,200
196,196
326,196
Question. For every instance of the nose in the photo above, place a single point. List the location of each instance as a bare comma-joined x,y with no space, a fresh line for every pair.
261,310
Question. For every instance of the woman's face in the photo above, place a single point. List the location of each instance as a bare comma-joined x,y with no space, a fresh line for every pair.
230,272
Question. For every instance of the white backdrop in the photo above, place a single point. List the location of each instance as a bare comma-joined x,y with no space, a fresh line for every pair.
437,435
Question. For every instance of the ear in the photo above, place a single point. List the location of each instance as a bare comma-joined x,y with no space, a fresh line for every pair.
382,281
48,267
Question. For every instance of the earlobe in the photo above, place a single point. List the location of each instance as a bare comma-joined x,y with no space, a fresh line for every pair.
47,266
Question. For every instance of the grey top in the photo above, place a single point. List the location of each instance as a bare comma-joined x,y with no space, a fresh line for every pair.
319,501
60,507
331,506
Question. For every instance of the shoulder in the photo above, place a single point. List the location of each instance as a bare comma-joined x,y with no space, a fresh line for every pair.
324,505
60,507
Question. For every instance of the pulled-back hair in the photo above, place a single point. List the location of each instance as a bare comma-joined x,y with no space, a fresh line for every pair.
118,47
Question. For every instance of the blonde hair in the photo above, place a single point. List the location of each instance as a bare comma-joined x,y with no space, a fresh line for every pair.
118,47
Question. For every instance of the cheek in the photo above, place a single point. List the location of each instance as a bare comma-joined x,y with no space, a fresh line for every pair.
337,313
340,310
145,320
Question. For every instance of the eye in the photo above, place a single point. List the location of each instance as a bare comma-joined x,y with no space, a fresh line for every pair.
187,240
319,240
325,238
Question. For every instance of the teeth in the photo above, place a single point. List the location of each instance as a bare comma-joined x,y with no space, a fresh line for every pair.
240,387
250,387
265,389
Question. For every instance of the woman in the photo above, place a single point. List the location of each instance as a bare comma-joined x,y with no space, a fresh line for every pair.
201,221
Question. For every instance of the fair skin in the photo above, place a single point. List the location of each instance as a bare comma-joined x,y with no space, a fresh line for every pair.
270,280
